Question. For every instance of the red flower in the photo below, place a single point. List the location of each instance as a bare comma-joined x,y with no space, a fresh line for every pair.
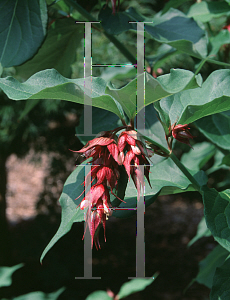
134,157
105,172
181,133
98,202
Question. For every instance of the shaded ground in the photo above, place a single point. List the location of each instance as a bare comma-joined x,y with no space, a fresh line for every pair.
170,223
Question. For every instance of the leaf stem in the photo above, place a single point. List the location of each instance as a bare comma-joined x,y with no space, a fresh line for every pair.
112,38
200,65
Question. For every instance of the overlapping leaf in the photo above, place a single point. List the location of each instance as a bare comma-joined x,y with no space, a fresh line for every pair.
221,282
64,35
171,28
217,129
206,11
217,215
70,212
49,84
23,30
202,231
188,106
207,266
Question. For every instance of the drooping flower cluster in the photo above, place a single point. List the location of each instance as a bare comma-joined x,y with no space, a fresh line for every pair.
107,154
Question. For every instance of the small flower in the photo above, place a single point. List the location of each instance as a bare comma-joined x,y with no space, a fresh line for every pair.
181,133
98,202
135,156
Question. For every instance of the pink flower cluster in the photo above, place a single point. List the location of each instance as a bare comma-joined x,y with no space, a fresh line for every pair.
107,154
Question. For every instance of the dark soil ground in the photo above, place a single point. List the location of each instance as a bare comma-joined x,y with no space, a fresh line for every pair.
34,217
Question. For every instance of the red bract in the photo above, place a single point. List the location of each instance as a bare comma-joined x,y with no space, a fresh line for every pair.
135,156
105,171
181,133
98,202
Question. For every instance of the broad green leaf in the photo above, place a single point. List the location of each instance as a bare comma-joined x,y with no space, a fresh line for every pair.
40,295
217,129
202,231
6,274
23,30
197,157
134,285
221,282
165,178
49,84
205,11
99,295
70,211
217,215
64,35
207,267
171,28
188,106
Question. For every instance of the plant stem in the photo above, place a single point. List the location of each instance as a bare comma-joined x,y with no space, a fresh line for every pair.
200,65
177,162
112,38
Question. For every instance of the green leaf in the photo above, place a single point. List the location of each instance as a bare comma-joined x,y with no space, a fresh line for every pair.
166,178
206,11
114,24
218,157
172,4
221,282
6,274
99,295
207,266
70,211
202,231
222,38
134,285
217,129
64,35
217,215
188,106
197,157
23,30
226,160
102,120
40,295
49,84
171,28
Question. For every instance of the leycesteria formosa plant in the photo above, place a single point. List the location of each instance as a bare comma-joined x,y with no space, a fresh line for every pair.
109,151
